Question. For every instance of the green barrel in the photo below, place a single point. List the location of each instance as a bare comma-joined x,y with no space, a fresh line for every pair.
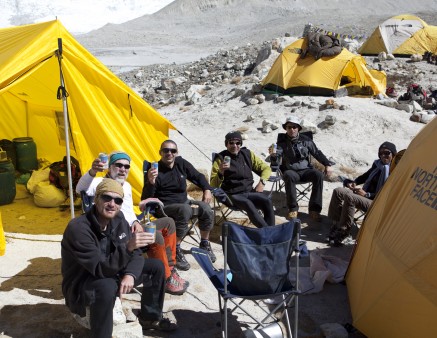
9,147
7,182
25,149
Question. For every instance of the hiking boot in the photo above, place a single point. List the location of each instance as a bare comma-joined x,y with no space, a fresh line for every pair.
160,325
181,261
315,216
175,274
292,215
173,287
206,245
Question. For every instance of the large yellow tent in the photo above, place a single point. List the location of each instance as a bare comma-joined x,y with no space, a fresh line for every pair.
104,114
392,278
401,35
339,75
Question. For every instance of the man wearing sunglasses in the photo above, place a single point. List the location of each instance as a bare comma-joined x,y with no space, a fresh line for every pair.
101,259
235,177
168,183
345,200
165,246
296,167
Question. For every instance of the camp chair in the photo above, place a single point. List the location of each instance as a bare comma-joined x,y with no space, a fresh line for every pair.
249,280
87,201
192,231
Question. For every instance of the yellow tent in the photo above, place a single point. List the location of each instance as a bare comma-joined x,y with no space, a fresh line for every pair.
392,278
401,35
104,114
340,75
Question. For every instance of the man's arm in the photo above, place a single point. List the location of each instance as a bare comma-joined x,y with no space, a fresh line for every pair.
216,176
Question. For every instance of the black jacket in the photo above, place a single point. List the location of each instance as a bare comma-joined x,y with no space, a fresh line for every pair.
171,185
88,253
238,178
295,153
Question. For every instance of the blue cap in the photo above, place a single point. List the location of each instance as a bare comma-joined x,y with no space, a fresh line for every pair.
118,155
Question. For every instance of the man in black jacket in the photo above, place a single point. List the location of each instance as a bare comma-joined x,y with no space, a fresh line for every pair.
345,201
101,260
296,167
168,184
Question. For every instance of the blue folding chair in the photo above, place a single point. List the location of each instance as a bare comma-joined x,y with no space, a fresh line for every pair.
259,261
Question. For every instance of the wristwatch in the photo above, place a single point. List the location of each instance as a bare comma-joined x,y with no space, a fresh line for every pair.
263,181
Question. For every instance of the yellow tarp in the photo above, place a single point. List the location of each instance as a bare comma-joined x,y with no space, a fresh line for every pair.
104,113
401,35
392,278
292,74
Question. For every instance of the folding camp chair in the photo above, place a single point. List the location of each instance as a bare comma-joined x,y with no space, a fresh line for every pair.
192,231
249,280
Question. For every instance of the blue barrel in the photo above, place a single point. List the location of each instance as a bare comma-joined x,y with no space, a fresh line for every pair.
25,149
7,182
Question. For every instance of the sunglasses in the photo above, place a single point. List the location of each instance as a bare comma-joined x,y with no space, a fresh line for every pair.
169,150
121,165
107,198
385,152
235,143
289,126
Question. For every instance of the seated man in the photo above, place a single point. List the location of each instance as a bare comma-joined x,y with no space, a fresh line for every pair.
165,246
296,167
345,201
101,260
236,179
168,184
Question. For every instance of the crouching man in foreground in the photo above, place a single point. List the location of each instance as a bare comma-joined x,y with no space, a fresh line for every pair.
101,260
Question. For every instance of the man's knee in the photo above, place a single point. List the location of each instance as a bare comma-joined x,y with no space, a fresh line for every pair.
290,176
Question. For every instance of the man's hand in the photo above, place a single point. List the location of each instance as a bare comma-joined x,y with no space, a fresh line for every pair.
359,191
139,240
328,170
152,174
96,167
126,285
224,166
137,227
207,196
259,187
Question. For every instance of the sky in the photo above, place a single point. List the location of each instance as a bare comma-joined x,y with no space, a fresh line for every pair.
78,16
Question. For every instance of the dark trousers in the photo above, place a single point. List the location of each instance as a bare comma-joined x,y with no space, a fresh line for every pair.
100,295
291,178
251,202
182,213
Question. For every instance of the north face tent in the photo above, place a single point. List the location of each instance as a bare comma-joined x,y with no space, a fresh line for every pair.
104,114
340,75
392,278
401,35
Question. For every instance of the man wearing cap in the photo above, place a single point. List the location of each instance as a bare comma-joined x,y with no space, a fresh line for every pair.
101,260
345,200
296,167
236,179
165,246
168,183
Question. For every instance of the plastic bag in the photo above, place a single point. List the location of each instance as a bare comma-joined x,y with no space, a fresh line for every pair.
37,177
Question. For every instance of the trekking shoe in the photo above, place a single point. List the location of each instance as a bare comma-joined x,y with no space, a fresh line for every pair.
160,325
181,261
175,275
207,246
292,215
173,287
315,216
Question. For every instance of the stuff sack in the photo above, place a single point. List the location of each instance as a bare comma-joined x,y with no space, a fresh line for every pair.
48,196
59,174
37,177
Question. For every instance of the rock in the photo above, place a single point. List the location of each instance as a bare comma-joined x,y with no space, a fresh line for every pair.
415,117
416,106
260,97
249,118
309,126
252,101
405,107
334,330
266,123
330,120
283,98
382,56
266,129
271,96
426,118
128,330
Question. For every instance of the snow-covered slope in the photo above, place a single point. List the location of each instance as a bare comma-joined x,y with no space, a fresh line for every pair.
78,16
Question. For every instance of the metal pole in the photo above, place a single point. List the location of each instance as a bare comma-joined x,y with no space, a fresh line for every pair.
66,127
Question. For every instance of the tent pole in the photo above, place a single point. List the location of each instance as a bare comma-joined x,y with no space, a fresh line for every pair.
63,93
